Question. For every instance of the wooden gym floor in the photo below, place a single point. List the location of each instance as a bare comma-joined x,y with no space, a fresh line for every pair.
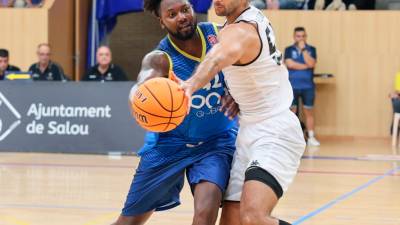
343,182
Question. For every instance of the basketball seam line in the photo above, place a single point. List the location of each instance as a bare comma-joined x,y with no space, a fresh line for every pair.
160,124
156,99
172,105
180,106
173,117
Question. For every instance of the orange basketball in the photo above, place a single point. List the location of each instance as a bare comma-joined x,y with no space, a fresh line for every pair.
159,105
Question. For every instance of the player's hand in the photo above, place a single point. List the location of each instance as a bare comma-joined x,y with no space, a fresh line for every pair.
229,106
173,77
181,83
186,86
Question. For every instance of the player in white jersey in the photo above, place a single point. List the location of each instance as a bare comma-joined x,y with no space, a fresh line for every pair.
270,142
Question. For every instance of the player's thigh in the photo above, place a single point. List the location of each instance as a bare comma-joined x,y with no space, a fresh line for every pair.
258,199
213,168
154,189
278,148
241,159
230,213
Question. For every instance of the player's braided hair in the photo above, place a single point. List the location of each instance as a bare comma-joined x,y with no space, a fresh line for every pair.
153,6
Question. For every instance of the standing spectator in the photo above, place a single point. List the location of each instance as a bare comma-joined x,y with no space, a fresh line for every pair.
395,97
105,70
46,69
300,58
4,64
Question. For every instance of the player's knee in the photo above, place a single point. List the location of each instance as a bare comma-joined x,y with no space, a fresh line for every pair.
204,214
250,218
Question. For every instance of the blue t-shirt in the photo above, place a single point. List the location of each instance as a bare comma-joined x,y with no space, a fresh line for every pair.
300,79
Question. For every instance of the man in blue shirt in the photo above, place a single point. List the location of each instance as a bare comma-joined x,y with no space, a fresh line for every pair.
300,59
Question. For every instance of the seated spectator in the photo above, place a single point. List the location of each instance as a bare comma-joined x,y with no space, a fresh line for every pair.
4,64
342,5
294,4
6,3
283,4
259,4
19,3
34,3
46,69
105,70
265,4
28,3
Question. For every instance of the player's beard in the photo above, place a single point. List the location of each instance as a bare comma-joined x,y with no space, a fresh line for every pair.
184,36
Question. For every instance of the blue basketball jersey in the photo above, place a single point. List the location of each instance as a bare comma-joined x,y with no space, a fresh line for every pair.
204,119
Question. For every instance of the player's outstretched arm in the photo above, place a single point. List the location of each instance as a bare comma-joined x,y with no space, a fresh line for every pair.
235,43
154,64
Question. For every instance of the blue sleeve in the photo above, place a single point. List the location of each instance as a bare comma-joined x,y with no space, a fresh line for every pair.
287,53
313,52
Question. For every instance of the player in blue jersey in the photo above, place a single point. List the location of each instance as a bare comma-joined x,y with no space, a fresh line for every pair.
203,145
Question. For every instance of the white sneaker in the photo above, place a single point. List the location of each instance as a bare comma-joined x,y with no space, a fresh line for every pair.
312,141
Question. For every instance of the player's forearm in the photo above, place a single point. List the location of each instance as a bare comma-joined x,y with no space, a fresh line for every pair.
205,73
218,58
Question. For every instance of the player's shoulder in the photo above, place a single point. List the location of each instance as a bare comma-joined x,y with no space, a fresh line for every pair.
13,68
156,55
33,66
209,26
116,67
163,44
251,14
240,28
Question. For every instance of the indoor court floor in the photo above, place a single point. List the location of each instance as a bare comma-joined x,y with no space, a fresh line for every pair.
345,181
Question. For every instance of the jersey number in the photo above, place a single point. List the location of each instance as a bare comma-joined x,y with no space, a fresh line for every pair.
276,55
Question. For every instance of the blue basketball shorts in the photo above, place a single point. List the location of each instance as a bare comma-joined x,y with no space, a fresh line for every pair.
158,187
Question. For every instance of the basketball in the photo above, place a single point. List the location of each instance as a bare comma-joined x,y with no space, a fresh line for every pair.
159,105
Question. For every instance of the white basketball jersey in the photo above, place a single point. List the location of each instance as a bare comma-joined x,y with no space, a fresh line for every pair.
261,87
